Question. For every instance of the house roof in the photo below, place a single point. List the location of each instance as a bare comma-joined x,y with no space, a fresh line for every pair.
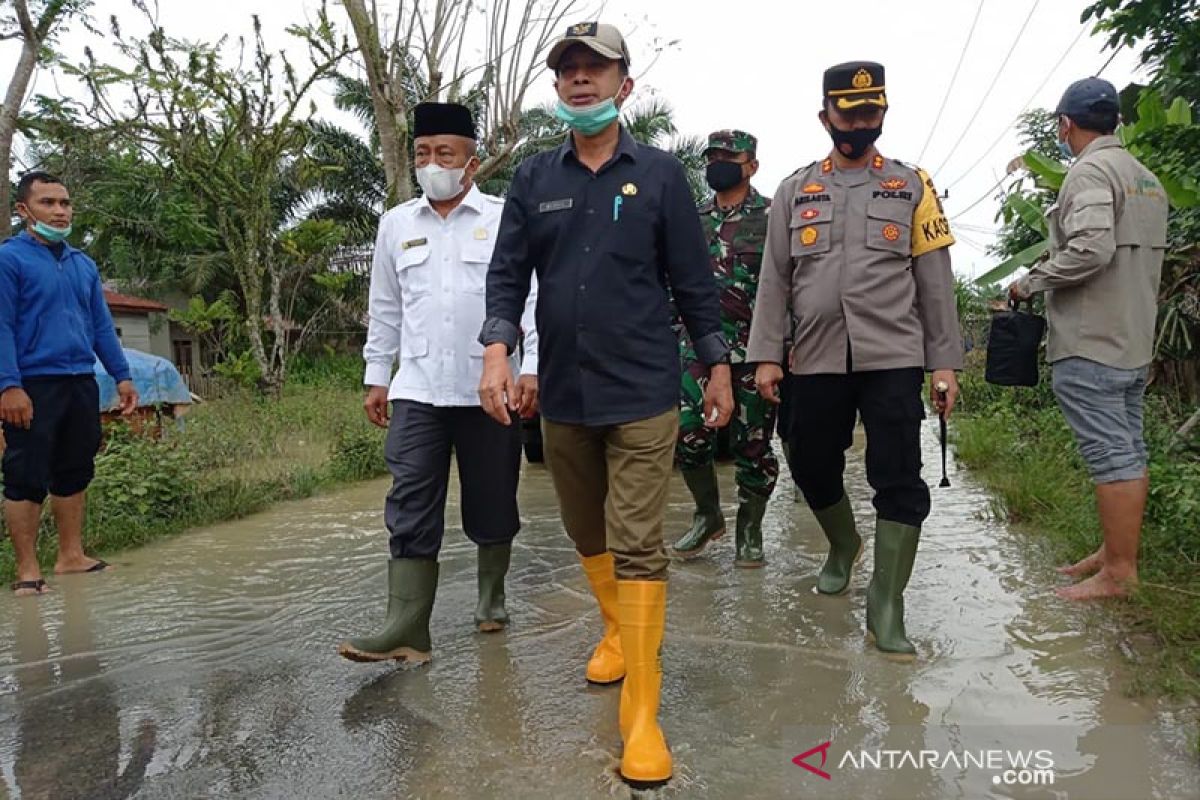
131,305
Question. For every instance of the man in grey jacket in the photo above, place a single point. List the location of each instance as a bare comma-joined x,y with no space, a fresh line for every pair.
1108,235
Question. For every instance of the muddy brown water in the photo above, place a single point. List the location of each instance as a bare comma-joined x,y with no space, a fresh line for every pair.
204,667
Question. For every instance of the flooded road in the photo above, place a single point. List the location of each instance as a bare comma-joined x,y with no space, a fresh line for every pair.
205,667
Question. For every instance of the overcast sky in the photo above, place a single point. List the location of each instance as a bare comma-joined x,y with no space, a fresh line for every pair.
757,64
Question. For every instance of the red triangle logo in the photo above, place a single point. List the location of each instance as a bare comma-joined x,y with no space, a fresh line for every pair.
802,760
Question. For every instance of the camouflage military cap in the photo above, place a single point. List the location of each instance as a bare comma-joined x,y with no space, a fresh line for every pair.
732,140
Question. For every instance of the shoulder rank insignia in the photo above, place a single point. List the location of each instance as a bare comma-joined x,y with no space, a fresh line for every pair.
827,166
877,162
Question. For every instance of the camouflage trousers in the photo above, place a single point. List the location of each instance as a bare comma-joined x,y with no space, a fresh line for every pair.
752,426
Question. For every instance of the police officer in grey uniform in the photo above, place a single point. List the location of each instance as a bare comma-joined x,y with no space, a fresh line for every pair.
1108,235
859,243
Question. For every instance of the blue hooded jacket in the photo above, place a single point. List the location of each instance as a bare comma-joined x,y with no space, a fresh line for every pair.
53,318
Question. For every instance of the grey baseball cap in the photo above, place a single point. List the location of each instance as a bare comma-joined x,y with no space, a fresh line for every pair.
1089,96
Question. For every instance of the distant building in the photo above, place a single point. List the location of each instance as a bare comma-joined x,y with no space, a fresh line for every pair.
143,325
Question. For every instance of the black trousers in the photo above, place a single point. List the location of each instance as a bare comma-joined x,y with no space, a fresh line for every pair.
419,442
57,454
823,412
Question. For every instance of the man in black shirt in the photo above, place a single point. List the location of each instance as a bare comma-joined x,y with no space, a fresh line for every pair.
608,224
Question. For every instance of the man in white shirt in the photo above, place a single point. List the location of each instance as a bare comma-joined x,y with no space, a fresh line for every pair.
426,307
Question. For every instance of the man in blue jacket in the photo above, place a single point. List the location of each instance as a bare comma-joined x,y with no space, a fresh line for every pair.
53,324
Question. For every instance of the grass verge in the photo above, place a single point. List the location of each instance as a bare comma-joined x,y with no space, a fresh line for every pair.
1017,442
228,458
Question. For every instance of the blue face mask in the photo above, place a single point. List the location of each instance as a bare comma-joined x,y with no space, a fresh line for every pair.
1065,149
49,232
589,120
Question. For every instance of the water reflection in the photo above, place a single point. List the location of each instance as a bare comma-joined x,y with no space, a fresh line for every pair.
68,719
224,637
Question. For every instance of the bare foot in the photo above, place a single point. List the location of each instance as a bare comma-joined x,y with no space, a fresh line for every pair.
1087,566
81,565
1098,587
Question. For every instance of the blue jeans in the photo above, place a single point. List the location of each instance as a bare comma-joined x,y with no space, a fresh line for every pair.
1103,407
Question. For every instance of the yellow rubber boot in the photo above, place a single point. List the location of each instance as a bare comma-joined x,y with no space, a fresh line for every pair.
646,761
607,664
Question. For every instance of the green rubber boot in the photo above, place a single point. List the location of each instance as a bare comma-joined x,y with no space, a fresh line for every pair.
490,614
751,508
412,584
845,546
708,523
895,551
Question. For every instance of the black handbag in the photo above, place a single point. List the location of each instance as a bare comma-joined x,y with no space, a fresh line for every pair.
1012,349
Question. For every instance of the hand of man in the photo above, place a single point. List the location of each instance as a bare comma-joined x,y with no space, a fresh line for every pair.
497,392
1018,292
527,396
950,380
16,408
718,397
376,405
128,398
767,378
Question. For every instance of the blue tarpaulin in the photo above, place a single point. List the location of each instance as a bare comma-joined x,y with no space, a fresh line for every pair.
156,380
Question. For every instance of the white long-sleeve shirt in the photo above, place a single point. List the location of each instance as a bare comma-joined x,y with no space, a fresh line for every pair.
427,302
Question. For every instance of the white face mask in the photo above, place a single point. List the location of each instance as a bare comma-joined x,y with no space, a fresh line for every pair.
440,183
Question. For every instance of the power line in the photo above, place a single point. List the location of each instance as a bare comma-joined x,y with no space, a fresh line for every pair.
1110,59
1005,130
985,196
958,236
995,79
946,97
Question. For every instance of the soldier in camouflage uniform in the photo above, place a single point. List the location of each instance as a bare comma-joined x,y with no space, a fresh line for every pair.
735,221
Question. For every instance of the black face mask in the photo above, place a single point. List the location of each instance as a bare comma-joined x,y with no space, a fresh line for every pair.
853,144
723,175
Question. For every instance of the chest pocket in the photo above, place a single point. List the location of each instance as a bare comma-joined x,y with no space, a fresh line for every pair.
811,228
748,241
889,228
413,271
476,255
749,254
632,232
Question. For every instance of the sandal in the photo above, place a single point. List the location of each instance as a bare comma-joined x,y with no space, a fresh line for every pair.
99,566
38,586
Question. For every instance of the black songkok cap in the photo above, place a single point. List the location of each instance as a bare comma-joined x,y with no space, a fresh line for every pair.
436,119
